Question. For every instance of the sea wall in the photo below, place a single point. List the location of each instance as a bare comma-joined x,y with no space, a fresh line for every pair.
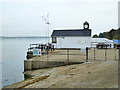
32,65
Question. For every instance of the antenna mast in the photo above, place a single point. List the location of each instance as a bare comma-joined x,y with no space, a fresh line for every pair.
48,23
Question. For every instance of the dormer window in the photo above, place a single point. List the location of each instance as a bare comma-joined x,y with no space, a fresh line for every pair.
54,40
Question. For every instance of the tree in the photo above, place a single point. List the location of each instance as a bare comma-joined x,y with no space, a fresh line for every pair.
95,36
112,34
101,35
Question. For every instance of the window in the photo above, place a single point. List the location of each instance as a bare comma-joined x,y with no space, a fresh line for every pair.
54,40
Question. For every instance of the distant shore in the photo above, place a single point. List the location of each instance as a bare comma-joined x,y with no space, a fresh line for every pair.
24,37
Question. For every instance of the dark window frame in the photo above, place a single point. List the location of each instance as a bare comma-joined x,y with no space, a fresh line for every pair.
54,39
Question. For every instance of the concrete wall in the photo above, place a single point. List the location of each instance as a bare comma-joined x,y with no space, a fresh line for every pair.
73,42
27,65
31,65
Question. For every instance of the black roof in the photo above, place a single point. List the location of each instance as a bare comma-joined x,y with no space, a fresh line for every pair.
73,32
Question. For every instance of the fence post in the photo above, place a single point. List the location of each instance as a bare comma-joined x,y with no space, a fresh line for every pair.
47,54
67,56
105,54
94,53
115,53
86,54
119,54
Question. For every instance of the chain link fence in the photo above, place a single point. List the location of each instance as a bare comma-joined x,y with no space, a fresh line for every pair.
77,55
67,56
61,57
103,54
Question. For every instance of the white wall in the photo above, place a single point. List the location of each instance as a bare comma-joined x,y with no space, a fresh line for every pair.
73,42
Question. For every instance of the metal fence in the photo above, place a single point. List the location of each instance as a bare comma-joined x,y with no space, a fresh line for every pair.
61,57
103,54
76,55
67,56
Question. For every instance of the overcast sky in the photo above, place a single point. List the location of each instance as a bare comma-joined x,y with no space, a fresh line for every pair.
24,17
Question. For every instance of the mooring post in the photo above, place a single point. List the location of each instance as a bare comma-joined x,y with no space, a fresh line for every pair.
94,53
86,54
67,56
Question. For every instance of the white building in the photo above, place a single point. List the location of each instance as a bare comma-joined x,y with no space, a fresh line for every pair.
96,41
72,38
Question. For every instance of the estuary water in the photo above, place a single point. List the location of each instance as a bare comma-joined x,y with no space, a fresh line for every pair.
14,52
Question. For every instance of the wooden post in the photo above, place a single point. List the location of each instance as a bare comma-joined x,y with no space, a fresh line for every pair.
86,54
67,56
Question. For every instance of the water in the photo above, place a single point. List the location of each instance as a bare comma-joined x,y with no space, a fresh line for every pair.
14,52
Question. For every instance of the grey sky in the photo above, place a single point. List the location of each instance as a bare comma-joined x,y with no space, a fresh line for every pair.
24,18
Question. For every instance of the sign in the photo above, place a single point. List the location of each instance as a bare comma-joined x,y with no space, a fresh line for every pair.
37,52
83,49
